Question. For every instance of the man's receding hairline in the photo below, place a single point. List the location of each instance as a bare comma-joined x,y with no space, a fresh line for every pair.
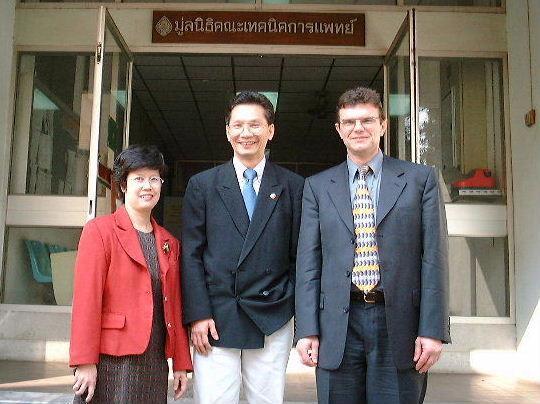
352,105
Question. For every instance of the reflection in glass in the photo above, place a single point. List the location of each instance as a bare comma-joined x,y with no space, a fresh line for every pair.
67,1
461,126
399,101
188,1
477,3
39,265
52,125
336,2
479,284
112,120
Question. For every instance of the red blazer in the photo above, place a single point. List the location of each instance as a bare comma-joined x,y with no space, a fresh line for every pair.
112,300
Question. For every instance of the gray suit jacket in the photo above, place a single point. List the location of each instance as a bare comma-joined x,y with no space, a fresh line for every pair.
241,274
412,241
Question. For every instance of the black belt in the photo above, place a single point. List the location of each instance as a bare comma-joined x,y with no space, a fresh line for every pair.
374,296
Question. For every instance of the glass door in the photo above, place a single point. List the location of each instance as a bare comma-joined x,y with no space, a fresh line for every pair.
110,113
71,120
401,92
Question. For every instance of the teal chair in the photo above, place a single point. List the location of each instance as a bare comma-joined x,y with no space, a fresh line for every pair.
54,248
40,260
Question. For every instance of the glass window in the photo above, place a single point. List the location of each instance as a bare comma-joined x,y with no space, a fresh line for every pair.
39,263
479,284
336,2
477,3
51,140
138,1
399,101
461,127
188,1
460,3
67,1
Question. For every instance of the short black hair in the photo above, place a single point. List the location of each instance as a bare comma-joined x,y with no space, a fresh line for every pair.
360,95
251,97
135,157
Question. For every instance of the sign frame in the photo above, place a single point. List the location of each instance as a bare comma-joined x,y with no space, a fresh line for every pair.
265,28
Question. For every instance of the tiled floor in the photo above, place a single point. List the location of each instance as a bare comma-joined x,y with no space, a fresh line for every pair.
37,382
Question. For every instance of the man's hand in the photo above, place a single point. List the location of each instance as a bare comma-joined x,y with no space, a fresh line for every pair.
179,383
426,353
85,378
199,335
308,348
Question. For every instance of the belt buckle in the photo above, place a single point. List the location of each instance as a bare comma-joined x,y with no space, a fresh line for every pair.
367,300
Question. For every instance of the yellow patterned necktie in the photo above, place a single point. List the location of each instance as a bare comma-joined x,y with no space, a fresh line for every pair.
366,256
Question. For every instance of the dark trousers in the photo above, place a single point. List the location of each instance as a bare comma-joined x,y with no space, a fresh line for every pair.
367,373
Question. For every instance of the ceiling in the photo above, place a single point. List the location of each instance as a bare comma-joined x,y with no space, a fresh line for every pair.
185,98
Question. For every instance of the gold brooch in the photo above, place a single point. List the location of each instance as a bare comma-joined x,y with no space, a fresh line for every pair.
166,248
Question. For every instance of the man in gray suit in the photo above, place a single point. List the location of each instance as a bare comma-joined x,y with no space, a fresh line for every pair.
372,270
239,237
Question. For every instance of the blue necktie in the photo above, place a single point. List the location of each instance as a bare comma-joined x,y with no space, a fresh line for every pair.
248,192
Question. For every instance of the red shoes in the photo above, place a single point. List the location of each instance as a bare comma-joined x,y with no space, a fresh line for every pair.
481,178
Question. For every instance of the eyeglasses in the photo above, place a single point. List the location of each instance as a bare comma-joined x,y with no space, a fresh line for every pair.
367,123
255,128
153,181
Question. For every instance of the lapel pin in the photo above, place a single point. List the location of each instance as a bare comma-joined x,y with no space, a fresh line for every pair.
166,248
273,196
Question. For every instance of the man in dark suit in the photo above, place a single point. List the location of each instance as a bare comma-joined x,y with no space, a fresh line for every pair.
240,233
372,271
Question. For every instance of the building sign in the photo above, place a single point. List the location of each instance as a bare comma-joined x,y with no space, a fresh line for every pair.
343,29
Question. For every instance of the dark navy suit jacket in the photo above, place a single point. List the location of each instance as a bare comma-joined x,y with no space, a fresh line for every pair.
241,274
412,241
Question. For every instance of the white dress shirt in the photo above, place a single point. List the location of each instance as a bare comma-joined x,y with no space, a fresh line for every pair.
240,168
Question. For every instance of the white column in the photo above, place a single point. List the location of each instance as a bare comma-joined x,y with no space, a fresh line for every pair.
525,152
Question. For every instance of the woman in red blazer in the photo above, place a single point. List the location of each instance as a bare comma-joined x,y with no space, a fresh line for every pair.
126,318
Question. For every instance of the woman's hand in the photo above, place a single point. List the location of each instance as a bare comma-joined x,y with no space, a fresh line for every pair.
85,378
180,383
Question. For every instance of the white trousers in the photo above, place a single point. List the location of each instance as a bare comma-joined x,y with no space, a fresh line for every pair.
217,377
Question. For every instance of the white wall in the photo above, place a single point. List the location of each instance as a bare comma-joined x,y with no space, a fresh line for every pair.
7,22
460,33
28,334
65,28
478,32
525,152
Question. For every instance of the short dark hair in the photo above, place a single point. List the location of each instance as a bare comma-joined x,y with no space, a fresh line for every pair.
135,157
360,95
251,97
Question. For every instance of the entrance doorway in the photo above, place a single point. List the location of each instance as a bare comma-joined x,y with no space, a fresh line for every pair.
183,99
179,103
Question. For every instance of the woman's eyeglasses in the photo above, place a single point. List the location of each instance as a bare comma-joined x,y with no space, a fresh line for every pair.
153,181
